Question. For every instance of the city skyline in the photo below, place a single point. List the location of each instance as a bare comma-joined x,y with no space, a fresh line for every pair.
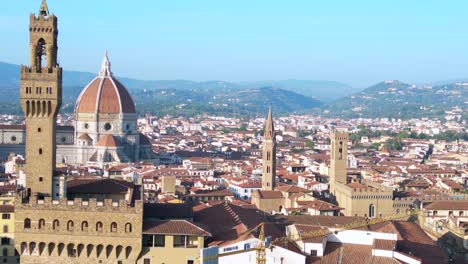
359,44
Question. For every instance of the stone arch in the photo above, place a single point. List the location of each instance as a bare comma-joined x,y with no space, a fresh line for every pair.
44,108
84,226
113,227
128,228
89,250
51,248
27,223
38,108
70,225
60,248
32,248
49,108
28,108
42,247
33,108
41,224
99,227
24,248
80,249
109,249
41,54
371,211
128,251
99,249
55,224
118,251
71,251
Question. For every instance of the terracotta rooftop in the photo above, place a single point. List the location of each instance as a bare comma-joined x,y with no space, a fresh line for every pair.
292,189
418,243
85,136
98,186
173,227
269,194
448,205
108,141
7,208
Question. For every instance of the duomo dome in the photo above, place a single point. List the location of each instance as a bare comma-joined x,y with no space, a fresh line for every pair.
105,94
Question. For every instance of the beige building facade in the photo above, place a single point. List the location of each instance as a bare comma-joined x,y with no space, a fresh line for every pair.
356,198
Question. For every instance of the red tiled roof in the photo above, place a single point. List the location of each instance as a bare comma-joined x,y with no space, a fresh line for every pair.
84,136
292,189
98,186
448,205
108,141
7,208
270,194
384,244
173,227
105,95
416,241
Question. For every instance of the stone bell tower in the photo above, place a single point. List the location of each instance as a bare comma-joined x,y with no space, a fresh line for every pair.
338,159
41,97
269,155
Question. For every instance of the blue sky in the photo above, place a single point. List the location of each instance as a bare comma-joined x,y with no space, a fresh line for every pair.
357,42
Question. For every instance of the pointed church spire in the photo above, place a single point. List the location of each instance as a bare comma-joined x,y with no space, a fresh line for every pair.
105,67
44,10
269,126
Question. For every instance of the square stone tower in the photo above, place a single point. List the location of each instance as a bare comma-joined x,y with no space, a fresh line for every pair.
338,159
41,97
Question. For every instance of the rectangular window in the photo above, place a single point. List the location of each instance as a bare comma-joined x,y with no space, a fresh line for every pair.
146,261
147,240
313,253
5,241
159,241
190,262
192,241
5,216
179,241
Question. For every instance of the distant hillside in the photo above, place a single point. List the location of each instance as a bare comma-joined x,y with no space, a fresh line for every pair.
399,100
237,102
179,97
323,90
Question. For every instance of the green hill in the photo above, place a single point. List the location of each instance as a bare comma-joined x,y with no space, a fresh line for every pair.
396,99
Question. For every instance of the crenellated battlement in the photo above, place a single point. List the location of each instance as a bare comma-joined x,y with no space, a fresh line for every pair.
33,19
78,204
430,198
339,135
44,73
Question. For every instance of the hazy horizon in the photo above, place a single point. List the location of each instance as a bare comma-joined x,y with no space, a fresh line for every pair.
359,43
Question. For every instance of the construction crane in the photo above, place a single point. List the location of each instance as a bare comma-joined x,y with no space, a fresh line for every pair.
262,246
261,254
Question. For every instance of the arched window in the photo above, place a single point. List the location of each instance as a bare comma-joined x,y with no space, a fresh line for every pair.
70,225
5,229
55,224
40,54
113,227
28,107
128,228
49,108
27,223
84,226
371,211
41,223
98,227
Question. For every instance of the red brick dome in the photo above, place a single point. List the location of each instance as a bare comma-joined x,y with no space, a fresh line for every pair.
105,94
